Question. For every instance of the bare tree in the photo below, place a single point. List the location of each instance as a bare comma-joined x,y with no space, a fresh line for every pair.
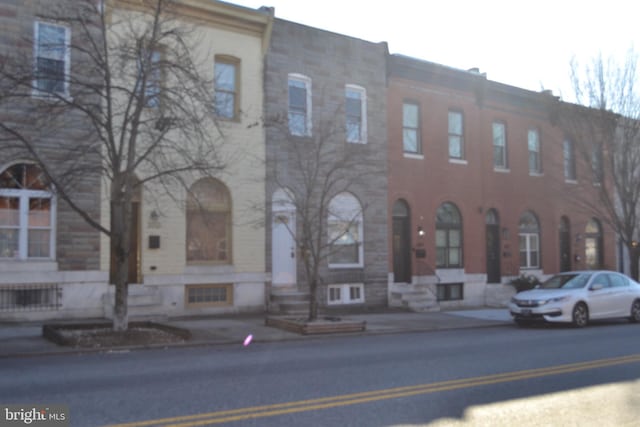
605,130
136,87
317,171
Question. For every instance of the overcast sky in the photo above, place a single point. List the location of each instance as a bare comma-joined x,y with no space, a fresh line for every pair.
522,43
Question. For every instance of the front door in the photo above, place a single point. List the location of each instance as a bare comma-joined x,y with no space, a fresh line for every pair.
493,254
401,250
283,243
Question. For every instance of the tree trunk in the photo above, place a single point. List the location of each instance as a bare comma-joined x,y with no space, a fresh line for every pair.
313,300
634,257
120,228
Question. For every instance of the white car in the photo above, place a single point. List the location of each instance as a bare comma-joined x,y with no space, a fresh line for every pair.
577,297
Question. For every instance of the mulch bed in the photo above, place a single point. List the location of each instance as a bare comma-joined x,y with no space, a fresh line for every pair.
101,335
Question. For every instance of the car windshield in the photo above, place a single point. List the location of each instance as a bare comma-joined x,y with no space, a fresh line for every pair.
567,281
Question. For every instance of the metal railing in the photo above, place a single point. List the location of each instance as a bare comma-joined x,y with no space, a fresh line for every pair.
30,297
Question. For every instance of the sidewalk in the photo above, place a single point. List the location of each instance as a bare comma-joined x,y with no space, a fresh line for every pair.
20,340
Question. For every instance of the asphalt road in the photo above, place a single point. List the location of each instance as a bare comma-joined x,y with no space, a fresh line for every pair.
493,376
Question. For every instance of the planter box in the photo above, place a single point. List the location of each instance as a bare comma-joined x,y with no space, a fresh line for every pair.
327,325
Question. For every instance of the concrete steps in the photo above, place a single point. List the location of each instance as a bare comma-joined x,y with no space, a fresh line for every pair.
291,302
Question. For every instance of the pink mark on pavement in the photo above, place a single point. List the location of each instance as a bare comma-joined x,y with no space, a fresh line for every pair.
248,340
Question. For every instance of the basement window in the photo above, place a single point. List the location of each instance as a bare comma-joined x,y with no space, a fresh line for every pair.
349,293
450,291
208,295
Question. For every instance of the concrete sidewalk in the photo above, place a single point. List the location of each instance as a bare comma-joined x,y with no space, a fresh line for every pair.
20,340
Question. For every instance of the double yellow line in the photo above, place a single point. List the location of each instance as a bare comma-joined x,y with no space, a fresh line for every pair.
227,416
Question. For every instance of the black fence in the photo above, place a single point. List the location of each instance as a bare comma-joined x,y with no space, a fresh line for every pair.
30,297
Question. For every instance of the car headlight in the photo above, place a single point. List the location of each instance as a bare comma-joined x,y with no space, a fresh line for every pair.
557,299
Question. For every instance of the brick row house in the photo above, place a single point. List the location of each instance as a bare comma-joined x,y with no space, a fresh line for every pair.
433,186
479,180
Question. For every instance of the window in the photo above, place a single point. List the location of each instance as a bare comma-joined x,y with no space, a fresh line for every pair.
209,223
345,294
345,231
456,140
51,52
27,214
153,78
596,165
411,129
208,295
448,236
356,114
499,146
529,237
450,291
533,140
226,87
299,105
569,160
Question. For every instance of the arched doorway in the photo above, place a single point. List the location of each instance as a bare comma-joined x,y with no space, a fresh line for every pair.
492,222
564,234
401,242
283,243
593,245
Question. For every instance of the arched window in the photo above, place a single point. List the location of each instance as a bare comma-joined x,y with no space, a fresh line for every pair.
27,214
209,223
593,244
345,231
529,236
448,236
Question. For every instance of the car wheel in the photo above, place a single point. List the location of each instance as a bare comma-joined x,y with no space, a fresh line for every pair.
635,311
580,315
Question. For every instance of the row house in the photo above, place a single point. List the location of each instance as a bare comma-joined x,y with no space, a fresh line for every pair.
430,187
198,249
325,97
480,179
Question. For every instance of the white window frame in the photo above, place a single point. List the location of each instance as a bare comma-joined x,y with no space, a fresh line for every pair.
537,152
36,54
569,160
362,92
346,208
23,223
529,248
418,150
504,165
300,78
344,293
235,63
453,136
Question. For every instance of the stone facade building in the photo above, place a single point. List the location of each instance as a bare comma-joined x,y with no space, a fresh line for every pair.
325,97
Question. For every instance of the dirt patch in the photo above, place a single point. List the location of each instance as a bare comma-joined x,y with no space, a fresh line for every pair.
144,334
326,325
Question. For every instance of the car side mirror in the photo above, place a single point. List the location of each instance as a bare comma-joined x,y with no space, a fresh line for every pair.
597,286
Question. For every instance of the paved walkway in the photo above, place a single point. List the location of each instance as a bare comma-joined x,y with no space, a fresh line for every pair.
26,339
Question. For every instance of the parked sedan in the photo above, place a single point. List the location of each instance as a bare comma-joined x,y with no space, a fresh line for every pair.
577,297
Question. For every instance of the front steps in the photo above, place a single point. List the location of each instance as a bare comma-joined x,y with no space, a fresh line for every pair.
417,298
288,301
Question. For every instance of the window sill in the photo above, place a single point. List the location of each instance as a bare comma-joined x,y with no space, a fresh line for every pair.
536,174
413,156
458,161
501,170
344,266
571,181
13,265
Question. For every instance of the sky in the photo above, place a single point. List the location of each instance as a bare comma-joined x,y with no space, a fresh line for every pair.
528,44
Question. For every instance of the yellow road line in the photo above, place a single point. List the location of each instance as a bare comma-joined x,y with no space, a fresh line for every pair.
226,416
